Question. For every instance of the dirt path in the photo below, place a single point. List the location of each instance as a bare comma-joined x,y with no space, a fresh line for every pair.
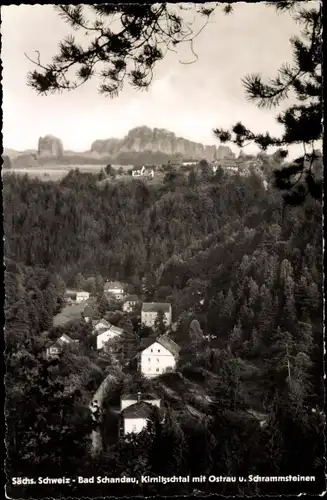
98,398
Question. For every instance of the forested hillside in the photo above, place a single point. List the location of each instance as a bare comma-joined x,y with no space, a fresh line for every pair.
224,251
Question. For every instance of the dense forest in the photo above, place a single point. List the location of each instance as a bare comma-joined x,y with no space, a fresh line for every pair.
230,256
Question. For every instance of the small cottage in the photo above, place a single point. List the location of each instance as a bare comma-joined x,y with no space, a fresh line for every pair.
135,417
76,296
100,324
114,289
130,303
56,347
143,172
105,334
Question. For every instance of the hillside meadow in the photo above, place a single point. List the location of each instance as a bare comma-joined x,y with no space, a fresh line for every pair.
58,172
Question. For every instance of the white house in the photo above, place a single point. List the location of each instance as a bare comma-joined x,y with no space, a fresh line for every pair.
159,357
115,289
130,303
143,172
135,417
108,334
76,296
131,399
150,312
189,163
82,296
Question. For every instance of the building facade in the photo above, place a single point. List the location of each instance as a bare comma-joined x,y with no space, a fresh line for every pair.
130,303
106,334
159,357
114,289
150,312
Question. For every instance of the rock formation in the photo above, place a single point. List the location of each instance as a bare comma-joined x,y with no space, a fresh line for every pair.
6,162
25,160
50,147
141,139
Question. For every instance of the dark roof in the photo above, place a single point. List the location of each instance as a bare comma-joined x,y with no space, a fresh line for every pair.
138,410
143,396
169,344
156,307
146,342
164,340
132,298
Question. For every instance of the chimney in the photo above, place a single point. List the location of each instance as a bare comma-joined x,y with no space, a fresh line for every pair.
138,397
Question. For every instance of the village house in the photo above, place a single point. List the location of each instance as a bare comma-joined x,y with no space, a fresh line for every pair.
130,303
143,172
107,333
135,416
150,312
100,324
189,163
114,289
76,296
54,349
159,357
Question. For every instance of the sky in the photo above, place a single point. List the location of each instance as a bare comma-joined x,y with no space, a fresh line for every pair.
187,99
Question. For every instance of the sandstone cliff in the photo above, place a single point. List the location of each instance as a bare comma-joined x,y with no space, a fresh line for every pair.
141,139
6,162
142,145
50,147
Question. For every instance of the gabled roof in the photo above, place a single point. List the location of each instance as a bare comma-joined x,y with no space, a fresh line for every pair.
104,322
132,298
64,339
138,410
146,342
156,307
111,330
116,330
134,396
169,344
165,341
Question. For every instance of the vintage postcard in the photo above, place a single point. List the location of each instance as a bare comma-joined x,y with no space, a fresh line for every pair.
162,180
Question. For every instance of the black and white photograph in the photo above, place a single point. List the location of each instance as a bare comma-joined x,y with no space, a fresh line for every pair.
162,186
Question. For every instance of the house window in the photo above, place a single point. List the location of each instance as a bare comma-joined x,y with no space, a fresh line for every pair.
134,428
158,350
157,369
149,359
157,360
151,350
53,350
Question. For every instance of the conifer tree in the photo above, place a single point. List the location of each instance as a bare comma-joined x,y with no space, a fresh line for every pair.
302,120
